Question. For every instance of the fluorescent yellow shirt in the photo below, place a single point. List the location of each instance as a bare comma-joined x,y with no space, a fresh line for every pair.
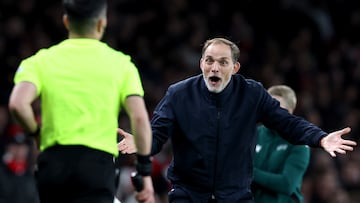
82,84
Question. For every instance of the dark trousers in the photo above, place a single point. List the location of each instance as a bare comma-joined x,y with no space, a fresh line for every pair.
75,174
179,194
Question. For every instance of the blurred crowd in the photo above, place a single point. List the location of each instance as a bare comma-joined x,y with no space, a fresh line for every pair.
311,46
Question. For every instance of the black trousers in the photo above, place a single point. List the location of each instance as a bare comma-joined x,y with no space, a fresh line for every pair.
179,194
75,174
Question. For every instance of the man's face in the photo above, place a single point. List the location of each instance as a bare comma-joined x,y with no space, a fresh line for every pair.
217,67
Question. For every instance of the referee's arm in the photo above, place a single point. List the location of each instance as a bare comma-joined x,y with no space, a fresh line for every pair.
22,96
140,125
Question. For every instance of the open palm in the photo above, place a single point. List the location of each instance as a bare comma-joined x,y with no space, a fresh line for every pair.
127,144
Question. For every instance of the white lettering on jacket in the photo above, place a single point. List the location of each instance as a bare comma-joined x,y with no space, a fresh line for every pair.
281,147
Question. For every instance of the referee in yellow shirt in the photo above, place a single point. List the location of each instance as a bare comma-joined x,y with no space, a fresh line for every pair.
82,84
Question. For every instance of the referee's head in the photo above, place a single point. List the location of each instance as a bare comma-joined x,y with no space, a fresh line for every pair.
85,18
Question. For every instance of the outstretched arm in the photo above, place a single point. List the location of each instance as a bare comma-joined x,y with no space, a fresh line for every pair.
333,143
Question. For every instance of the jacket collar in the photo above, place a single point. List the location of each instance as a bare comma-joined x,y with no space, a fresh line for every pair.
220,98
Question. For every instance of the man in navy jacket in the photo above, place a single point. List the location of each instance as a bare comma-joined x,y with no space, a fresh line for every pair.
212,119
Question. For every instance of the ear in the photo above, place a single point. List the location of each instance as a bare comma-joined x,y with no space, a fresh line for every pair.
236,67
201,64
101,25
66,21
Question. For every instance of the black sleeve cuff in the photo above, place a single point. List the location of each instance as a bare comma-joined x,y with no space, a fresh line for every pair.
143,165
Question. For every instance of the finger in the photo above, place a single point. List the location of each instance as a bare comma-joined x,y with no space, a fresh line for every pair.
124,149
349,142
121,146
347,148
340,151
120,131
121,143
125,134
345,130
332,154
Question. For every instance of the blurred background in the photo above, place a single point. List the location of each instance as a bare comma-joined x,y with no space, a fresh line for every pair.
311,46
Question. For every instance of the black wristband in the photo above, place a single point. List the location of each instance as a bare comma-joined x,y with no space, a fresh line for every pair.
36,133
143,165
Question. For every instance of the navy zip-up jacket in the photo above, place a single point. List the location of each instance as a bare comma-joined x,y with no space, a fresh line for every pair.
213,135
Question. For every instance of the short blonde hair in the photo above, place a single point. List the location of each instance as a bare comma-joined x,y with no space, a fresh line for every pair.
285,92
235,51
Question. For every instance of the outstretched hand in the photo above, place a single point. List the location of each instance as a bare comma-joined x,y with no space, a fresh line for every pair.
333,142
127,144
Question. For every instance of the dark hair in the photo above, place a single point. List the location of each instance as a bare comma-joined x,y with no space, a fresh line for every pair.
84,9
84,13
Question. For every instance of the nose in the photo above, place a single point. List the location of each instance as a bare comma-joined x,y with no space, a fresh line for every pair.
215,68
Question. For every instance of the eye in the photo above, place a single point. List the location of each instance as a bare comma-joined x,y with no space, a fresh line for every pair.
223,62
209,61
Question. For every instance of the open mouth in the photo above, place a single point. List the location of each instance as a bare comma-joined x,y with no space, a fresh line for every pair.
214,79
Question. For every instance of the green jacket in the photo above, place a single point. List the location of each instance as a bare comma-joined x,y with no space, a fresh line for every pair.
279,168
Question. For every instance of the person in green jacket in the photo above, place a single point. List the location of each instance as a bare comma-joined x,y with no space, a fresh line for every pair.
279,166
